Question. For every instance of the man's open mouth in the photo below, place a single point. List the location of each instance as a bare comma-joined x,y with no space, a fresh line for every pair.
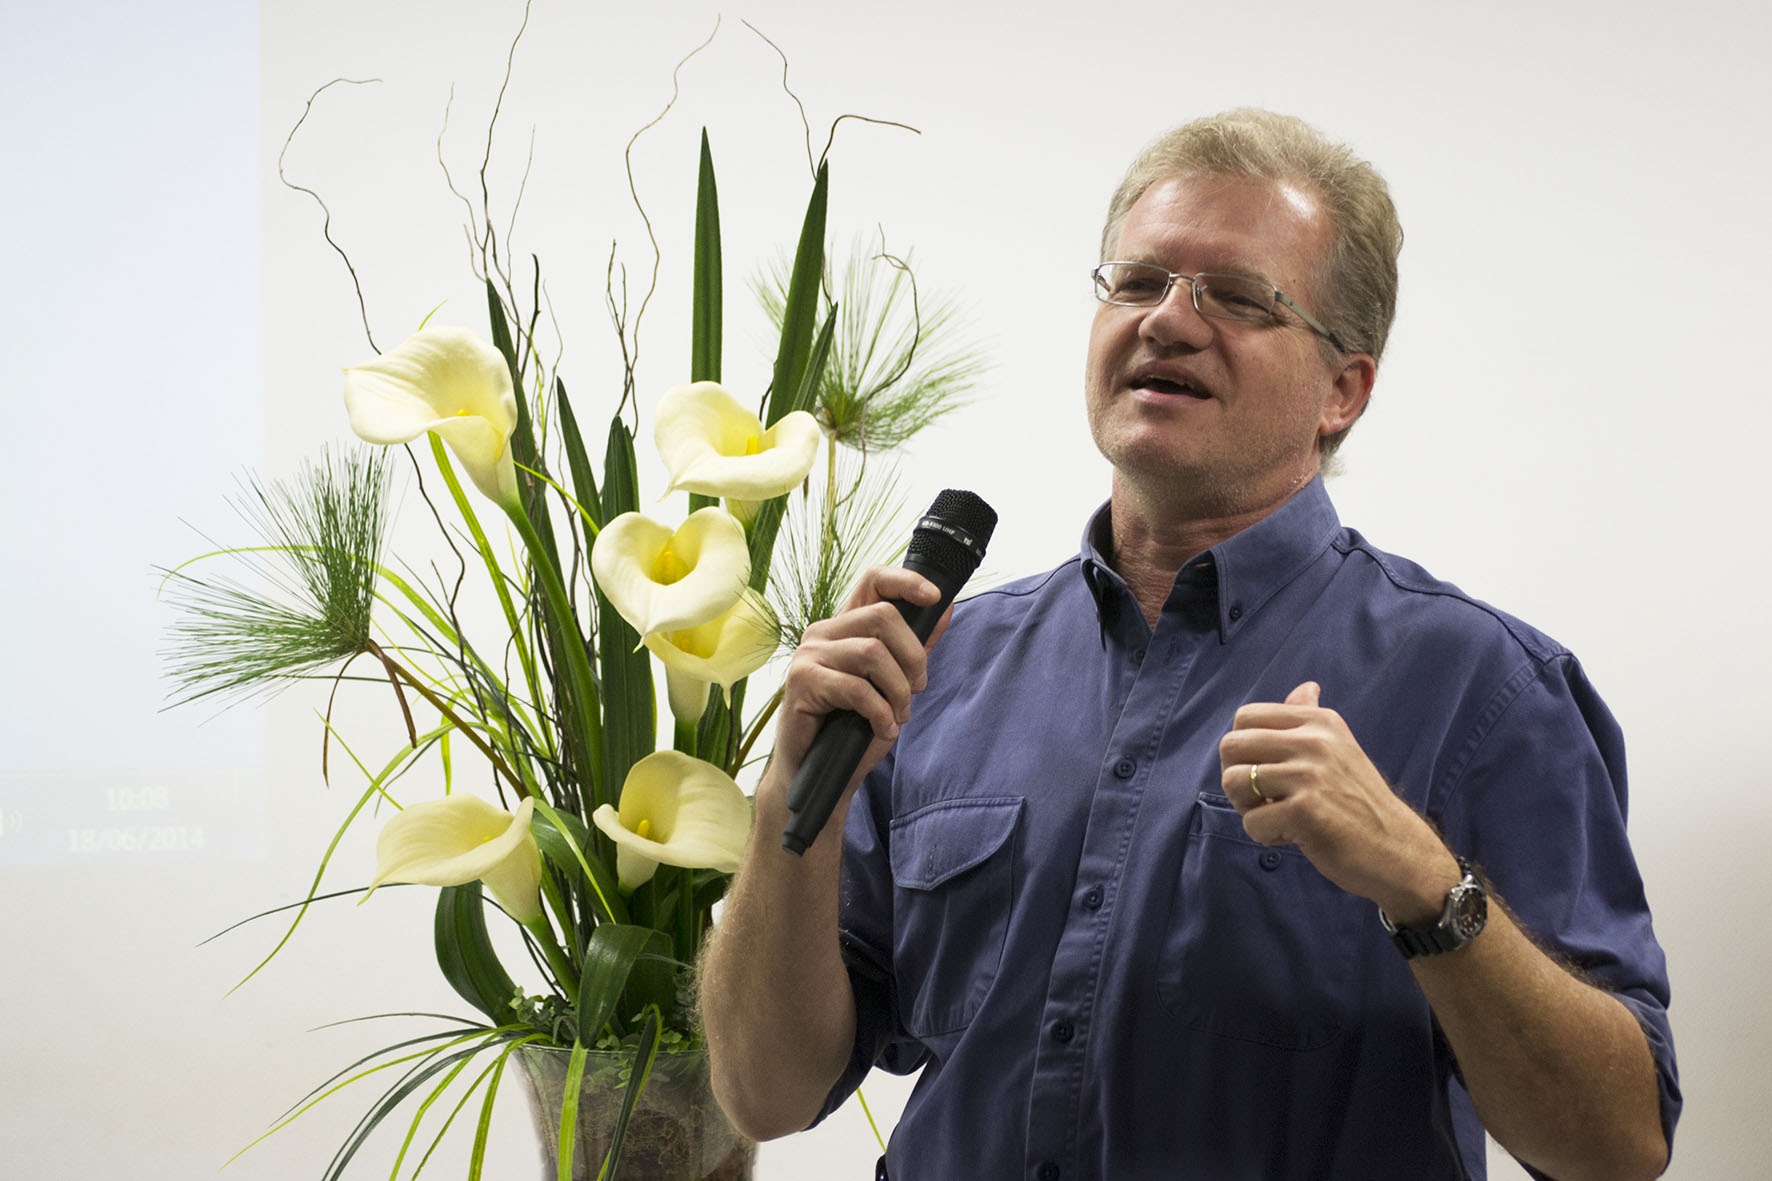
1167,385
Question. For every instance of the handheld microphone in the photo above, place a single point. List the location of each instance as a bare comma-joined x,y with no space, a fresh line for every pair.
946,547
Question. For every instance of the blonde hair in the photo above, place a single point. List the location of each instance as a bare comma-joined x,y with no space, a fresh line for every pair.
1356,295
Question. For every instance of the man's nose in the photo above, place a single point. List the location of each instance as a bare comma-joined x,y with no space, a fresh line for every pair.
1173,319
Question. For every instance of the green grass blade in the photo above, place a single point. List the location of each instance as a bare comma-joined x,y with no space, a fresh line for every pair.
477,1157
621,482
575,1070
376,788
631,709
565,841
706,315
513,621
584,479
315,1099
391,1099
457,1036
800,317
575,687
868,1111
418,1117
769,515
493,1075
644,1055
523,448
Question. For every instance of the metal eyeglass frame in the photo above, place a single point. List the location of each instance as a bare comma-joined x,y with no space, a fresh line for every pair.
1194,284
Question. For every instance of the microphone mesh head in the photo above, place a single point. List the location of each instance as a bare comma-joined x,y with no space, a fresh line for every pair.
952,535
966,511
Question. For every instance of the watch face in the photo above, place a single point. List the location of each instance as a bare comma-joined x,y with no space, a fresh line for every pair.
1467,910
1470,910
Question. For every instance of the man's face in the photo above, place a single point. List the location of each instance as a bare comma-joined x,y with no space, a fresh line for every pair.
1218,415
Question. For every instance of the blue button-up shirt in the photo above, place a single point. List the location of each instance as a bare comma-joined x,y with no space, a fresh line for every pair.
1051,909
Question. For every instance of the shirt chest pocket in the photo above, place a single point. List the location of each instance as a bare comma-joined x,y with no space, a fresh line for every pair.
1260,946
953,877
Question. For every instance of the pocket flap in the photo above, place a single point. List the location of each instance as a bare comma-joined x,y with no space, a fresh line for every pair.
941,841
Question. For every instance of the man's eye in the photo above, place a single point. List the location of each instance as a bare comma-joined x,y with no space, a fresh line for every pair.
1242,301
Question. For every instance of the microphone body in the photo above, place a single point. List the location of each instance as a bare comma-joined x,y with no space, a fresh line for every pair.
945,548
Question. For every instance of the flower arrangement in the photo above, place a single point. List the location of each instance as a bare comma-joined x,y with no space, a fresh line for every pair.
606,852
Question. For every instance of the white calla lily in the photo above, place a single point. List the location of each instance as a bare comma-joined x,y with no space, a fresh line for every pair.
723,651
665,580
713,445
461,838
446,380
675,810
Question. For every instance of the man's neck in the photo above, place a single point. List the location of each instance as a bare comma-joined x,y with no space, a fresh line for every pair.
1154,539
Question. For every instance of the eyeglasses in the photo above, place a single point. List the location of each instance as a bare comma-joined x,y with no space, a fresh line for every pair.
1224,297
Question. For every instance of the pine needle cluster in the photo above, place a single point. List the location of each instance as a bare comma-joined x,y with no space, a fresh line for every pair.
303,598
897,363
830,537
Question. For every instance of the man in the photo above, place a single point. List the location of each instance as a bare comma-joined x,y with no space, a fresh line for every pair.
1233,847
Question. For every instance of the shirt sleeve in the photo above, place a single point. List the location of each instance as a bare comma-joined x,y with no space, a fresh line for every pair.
1537,797
864,922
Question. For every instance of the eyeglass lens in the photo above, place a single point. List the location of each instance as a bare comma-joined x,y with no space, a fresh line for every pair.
1232,297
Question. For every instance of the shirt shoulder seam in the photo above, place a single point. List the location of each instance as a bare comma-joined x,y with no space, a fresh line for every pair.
1540,648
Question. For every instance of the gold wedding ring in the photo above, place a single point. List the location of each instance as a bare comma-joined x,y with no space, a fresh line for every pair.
1253,785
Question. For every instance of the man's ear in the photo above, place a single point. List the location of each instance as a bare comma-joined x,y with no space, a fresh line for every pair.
1352,390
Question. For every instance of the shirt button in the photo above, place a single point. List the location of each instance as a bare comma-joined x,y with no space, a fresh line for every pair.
1047,1172
1138,656
1270,859
1063,1032
1236,612
1124,768
1092,899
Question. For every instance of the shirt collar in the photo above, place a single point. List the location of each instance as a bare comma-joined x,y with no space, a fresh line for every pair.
1249,567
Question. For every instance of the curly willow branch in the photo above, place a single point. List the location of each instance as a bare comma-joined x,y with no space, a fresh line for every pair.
484,258
633,353
789,91
832,139
326,226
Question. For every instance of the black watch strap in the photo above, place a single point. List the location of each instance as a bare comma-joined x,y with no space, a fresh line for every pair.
1462,920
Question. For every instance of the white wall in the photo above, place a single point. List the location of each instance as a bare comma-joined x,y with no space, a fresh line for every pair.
1569,424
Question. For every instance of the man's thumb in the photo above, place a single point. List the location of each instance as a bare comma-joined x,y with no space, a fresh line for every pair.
1305,694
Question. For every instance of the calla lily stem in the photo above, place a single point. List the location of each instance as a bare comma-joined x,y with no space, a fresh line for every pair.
558,960
687,735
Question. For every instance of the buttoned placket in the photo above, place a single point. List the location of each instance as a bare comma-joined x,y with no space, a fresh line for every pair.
1154,671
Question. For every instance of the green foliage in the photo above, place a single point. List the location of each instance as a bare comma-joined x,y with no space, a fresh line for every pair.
898,363
466,956
832,534
561,704
626,667
310,586
707,316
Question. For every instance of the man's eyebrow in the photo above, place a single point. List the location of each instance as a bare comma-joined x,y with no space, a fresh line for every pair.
1239,267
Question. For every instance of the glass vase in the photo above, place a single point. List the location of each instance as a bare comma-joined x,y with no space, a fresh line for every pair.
676,1133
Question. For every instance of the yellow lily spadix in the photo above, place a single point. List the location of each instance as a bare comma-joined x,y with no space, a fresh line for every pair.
675,810
665,580
446,380
714,446
723,651
461,838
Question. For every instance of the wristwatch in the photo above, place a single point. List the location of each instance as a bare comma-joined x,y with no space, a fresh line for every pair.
1467,909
